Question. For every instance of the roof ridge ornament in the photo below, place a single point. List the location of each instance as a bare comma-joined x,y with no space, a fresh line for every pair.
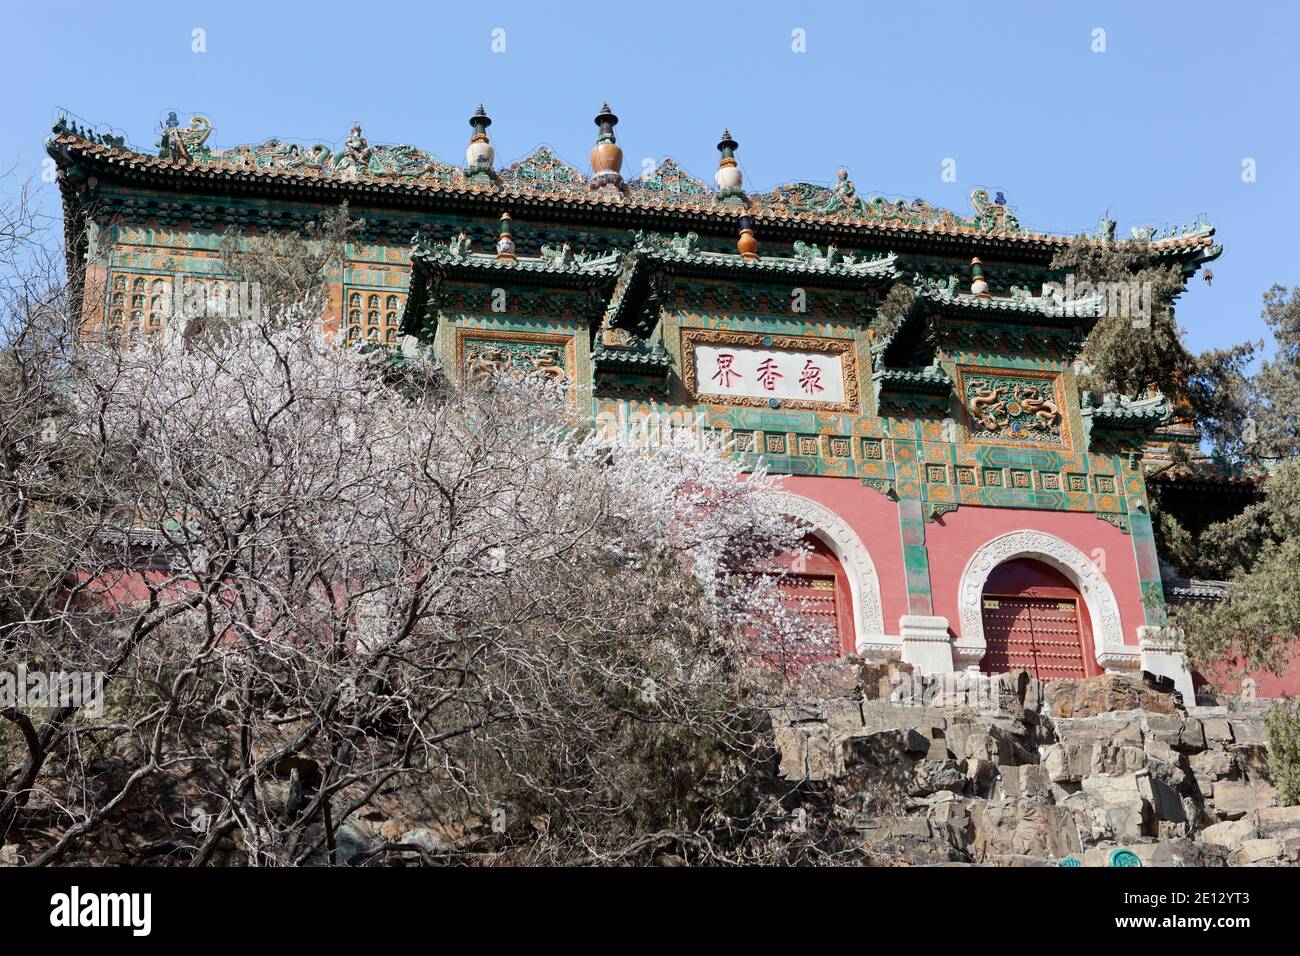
506,241
480,154
992,216
181,143
607,155
561,255
1120,412
355,156
813,255
979,286
679,245
546,175
670,181
747,245
1105,227
729,177
65,126
946,287
460,245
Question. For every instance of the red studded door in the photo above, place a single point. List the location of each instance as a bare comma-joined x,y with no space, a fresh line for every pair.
815,595
813,599
1042,635
810,630
1035,619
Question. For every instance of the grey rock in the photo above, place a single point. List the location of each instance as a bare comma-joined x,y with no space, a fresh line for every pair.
1110,759
1209,766
1170,774
1156,854
1230,834
1165,802
1218,731
1028,780
1159,750
792,745
936,775
880,829
1017,860
982,775
1249,731
1192,739
953,816
1119,807
825,753
424,839
801,713
1000,740
353,837
844,716
1256,853
1186,735
1024,828
1234,799
880,715
1110,728
1251,761
1281,822
1067,762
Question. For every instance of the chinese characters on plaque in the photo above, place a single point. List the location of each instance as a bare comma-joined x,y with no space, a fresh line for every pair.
735,370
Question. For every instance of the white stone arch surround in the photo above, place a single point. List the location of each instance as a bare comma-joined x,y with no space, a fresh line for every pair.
1103,609
864,583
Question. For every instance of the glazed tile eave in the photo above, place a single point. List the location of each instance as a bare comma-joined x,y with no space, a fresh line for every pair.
707,212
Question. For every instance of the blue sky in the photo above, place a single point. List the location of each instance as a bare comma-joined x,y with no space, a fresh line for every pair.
1155,128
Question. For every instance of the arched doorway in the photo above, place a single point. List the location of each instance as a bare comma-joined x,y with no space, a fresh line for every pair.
1035,618
816,590
797,609
833,538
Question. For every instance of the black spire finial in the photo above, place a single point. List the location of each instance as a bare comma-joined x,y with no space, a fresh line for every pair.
606,120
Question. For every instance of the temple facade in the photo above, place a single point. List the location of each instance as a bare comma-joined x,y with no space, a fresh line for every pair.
910,371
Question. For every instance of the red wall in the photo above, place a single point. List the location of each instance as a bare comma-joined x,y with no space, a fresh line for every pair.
874,518
1267,685
953,538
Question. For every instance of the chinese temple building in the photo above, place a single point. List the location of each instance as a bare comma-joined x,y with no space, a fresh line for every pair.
972,508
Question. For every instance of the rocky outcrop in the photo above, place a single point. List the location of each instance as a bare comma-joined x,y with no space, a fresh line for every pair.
1091,697
1009,771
